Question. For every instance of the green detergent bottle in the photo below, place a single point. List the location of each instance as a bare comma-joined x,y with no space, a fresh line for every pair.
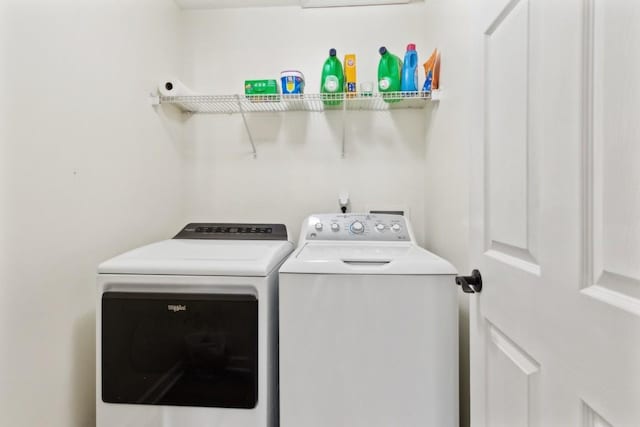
389,75
332,81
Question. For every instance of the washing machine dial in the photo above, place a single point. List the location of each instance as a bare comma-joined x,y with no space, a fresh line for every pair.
395,227
357,227
318,226
380,227
335,226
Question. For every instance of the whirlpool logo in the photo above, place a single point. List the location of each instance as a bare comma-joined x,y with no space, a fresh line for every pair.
176,307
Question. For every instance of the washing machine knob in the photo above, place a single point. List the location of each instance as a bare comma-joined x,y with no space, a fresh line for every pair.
335,226
357,227
395,227
318,226
380,227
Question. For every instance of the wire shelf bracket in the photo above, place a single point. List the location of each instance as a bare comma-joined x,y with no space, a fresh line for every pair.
314,102
246,126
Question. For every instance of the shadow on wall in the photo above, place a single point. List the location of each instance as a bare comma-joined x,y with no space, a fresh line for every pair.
172,120
83,373
381,130
414,122
265,127
431,117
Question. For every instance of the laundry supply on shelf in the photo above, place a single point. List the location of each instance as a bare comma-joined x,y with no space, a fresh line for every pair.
409,81
292,82
332,82
389,73
261,90
173,87
350,85
432,72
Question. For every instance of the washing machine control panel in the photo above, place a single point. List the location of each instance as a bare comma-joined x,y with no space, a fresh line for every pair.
229,231
357,227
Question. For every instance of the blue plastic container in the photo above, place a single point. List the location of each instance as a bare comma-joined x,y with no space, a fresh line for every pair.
409,80
292,82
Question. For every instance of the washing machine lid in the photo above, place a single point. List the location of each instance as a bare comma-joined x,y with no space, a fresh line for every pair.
365,258
194,257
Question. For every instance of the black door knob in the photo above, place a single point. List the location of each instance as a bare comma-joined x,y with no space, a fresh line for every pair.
470,284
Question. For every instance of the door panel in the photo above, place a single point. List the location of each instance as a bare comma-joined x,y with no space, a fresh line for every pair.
512,386
612,176
506,139
509,162
555,219
590,418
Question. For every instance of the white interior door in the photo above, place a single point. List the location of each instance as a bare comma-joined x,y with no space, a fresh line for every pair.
555,214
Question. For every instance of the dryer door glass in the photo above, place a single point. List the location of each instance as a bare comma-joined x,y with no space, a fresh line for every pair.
180,349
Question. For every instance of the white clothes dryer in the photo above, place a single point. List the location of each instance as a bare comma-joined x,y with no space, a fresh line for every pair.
368,327
187,329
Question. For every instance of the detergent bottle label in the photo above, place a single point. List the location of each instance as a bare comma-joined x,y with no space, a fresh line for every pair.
331,84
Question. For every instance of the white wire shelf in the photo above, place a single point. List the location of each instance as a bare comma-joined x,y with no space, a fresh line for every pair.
229,104
242,104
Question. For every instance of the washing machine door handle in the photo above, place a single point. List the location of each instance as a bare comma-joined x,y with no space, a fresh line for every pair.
366,262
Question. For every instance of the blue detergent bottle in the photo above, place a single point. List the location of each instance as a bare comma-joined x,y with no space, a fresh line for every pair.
409,81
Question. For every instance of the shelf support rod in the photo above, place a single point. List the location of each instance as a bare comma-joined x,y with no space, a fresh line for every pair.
344,123
246,126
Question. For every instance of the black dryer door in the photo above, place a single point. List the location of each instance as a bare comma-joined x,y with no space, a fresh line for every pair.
180,349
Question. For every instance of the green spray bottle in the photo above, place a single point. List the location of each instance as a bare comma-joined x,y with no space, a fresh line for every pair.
332,81
389,74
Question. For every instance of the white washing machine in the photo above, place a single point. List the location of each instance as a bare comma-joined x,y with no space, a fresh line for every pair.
186,330
368,327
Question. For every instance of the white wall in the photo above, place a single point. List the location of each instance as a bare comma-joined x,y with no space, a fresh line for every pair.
88,170
447,161
299,169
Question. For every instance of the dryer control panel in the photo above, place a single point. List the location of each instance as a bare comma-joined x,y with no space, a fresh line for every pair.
357,227
233,231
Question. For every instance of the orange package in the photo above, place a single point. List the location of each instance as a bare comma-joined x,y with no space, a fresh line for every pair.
432,72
